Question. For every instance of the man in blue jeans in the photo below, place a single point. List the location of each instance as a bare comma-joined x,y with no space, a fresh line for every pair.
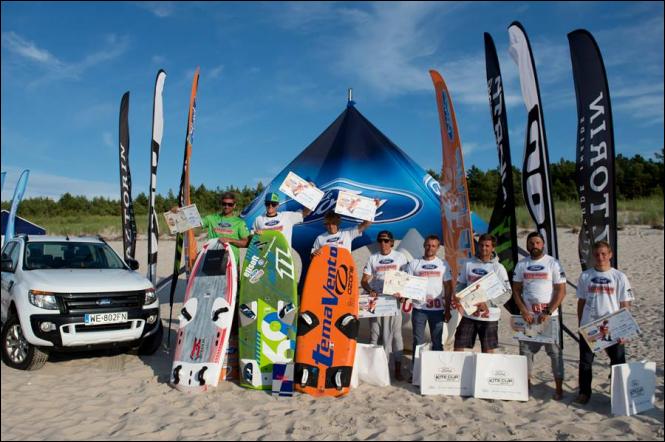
435,310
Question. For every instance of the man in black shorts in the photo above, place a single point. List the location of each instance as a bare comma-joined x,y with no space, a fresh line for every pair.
484,322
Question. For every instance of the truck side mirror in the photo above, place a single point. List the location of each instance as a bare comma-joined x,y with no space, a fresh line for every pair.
132,263
7,265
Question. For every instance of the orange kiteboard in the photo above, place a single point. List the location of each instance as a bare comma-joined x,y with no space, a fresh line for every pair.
327,325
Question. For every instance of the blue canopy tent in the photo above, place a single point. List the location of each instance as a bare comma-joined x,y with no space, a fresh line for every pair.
21,226
352,154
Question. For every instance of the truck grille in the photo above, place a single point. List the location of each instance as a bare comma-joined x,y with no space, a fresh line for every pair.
80,303
104,327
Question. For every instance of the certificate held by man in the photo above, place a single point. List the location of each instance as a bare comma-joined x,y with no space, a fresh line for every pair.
487,287
185,218
408,286
609,330
300,190
355,206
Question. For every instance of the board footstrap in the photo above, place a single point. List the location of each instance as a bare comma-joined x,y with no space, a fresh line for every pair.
306,375
338,377
348,325
307,321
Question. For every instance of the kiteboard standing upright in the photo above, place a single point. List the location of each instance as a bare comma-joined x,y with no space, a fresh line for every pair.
184,182
205,319
328,324
268,306
157,132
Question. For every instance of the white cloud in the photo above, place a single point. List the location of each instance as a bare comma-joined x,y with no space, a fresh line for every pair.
108,139
158,8
215,72
56,69
27,49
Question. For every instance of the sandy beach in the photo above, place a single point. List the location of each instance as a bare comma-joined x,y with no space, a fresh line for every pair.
122,396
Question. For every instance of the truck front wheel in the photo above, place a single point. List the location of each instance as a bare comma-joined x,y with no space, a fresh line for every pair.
17,352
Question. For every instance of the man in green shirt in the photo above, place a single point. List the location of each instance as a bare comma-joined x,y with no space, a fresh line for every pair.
227,227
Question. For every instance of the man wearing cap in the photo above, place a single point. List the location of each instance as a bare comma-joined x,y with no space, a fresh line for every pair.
280,221
388,329
539,286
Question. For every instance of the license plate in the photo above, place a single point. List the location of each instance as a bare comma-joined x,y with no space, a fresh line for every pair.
105,318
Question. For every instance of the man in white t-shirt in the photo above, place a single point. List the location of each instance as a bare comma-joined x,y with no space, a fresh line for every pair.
539,286
280,221
484,322
334,236
601,290
436,309
387,328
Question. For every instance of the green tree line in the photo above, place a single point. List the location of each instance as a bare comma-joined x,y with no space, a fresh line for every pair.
635,177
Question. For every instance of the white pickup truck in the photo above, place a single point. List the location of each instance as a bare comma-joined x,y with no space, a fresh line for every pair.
66,293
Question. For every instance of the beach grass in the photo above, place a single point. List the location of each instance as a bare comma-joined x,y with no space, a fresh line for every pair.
106,225
643,211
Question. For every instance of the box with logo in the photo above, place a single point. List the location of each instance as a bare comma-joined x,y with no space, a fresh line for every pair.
633,387
449,373
501,377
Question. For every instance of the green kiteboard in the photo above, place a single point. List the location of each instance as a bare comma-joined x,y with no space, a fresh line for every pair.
268,309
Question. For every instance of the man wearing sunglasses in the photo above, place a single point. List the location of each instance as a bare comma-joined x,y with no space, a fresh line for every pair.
388,329
280,221
227,227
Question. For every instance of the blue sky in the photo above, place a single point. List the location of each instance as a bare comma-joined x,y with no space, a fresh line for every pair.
275,75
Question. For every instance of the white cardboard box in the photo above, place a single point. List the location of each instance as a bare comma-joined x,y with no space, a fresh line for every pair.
501,377
633,387
449,373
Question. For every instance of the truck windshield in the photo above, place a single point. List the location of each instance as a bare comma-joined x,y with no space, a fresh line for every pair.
70,255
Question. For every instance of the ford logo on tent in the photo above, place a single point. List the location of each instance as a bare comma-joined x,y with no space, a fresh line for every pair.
535,268
432,184
394,205
600,280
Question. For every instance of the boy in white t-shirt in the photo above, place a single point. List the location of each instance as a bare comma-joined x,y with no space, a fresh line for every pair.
280,221
601,290
539,286
387,328
334,236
